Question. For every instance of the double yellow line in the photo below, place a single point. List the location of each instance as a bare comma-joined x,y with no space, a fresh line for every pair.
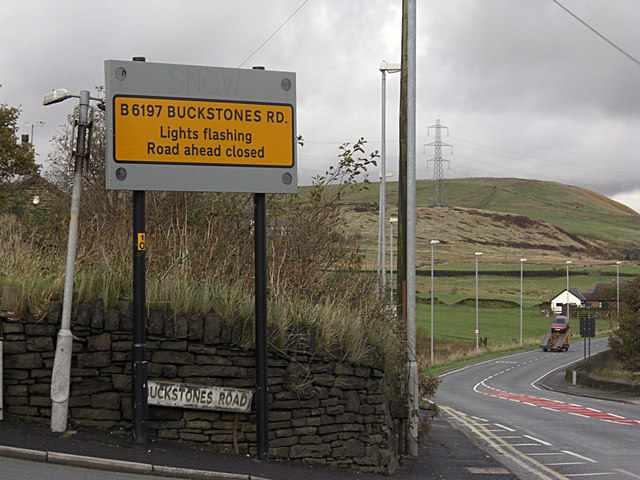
503,447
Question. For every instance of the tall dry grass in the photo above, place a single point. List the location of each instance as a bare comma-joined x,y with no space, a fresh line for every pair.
200,257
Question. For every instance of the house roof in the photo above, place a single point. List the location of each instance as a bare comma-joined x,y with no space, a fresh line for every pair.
573,291
598,292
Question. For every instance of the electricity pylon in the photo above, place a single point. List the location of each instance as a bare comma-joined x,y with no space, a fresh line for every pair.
439,194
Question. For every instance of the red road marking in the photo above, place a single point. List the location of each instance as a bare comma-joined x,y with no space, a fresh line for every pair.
563,407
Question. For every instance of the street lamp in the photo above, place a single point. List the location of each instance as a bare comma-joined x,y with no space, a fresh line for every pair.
61,372
568,307
522,260
392,220
618,286
433,242
477,325
382,254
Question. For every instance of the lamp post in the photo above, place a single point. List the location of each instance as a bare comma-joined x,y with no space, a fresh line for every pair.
392,220
61,372
522,260
568,307
433,242
618,287
382,254
477,324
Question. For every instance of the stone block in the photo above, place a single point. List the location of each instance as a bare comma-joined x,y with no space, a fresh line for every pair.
40,329
196,327
173,357
125,308
226,334
325,429
54,313
310,439
108,400
169,371
211,328
353,402
83,315
10,299
155,325
121,345
194,437
175,345
94,414
310,451
94,359
99,342
40,401
10,348
198,348
212,371
111,320
97,314
182,327
354,448
87,386
14,374
12,327
284,442
23,361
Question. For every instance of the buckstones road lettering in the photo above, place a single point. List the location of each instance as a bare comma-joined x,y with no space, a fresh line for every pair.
199,396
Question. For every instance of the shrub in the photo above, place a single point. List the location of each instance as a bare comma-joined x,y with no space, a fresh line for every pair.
625,342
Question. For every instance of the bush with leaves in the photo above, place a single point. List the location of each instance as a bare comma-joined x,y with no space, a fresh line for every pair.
625,342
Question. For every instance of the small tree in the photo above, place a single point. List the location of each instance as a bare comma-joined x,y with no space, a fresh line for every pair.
625,342
15,158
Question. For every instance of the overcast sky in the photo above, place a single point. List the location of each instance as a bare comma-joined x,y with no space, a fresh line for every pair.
526,90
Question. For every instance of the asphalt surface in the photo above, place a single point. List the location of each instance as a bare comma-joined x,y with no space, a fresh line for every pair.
445,453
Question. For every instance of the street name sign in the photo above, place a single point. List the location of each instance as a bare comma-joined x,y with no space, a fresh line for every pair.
194,128
187,395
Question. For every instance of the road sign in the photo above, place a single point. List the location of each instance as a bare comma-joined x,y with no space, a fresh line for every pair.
477,331
190,128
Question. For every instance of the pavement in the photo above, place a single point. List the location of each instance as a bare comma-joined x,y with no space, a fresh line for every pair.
445,453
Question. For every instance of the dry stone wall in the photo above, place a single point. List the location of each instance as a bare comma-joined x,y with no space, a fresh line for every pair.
321,411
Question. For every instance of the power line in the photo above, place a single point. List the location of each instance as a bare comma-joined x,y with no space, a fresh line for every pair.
273,34
597,32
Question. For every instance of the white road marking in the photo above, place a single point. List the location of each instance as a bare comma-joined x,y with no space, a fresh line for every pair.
627,473
593,474
505,428
537,440
580,456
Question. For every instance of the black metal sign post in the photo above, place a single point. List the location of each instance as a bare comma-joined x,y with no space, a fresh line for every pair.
140,371
140,367
262,414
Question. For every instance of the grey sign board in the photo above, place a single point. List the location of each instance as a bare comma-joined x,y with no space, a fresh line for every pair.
196,128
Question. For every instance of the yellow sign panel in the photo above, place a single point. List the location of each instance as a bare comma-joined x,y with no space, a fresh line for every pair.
178,131
141,242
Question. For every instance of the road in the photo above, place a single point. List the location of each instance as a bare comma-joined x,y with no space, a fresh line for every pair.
538,433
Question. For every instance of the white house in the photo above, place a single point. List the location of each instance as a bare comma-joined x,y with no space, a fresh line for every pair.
575,298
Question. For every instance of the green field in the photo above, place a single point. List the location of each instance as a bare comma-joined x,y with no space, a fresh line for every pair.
498,325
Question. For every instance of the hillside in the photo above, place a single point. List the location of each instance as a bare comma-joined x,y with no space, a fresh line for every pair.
507,219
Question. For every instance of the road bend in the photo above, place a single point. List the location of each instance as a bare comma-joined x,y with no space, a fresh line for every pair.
538,433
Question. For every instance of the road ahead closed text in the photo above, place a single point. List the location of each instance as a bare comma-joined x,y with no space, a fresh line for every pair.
177,131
